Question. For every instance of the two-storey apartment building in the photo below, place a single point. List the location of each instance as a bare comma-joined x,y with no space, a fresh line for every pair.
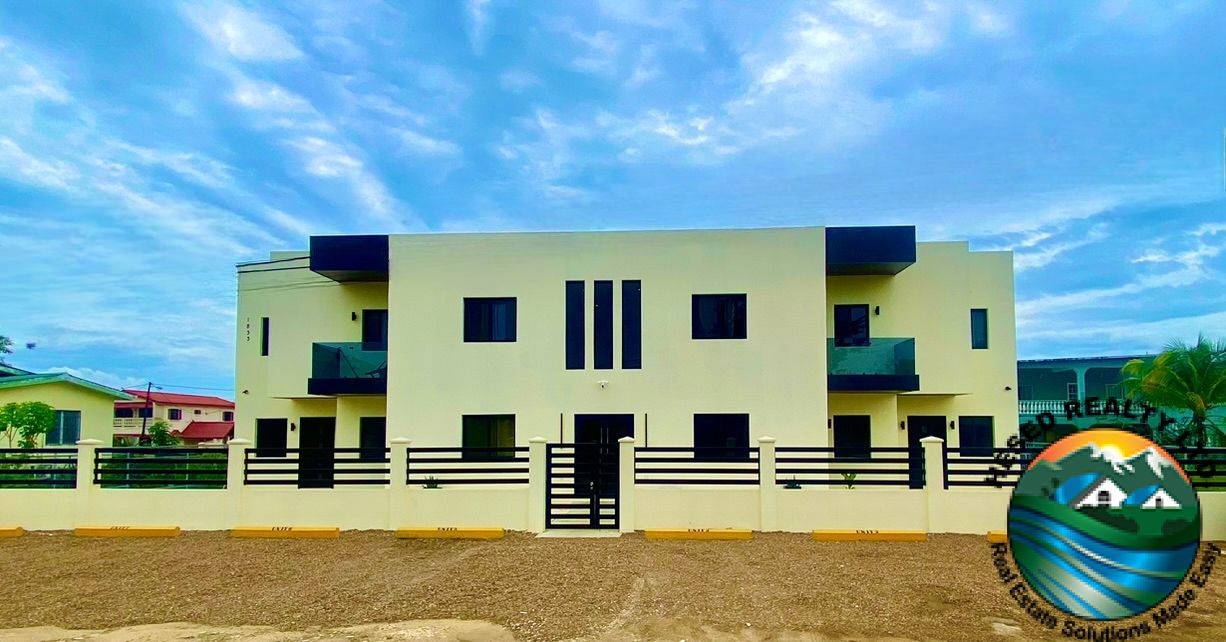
814,336
193,418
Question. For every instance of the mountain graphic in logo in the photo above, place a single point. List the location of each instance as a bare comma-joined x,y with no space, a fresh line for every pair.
1104,524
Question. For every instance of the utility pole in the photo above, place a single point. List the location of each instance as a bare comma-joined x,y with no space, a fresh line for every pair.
144,421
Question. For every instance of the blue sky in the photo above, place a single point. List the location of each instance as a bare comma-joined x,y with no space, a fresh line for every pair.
148,146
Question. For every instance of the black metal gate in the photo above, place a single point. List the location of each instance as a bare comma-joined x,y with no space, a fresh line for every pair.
581,485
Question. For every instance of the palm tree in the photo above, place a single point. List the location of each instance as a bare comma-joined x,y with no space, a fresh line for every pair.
1184,377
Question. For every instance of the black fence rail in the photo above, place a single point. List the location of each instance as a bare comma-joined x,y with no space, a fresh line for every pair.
435,467
696,465
160,467
316,467
38,468
986,467
798,466
1205,467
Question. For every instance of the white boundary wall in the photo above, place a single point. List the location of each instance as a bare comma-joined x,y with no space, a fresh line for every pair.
765,507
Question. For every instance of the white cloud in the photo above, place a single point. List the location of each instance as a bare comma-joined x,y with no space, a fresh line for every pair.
646,69
241,33
518,80
115,381
478,21
427,146
1024,260
293,225
261,95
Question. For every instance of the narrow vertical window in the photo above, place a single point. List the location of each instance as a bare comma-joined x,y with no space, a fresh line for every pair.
264,337
632,325
602,324
374,330
574,325
979,329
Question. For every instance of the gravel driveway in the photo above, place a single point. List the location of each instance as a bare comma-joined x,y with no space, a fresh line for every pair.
538,589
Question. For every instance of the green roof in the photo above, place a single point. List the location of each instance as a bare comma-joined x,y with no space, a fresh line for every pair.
22,381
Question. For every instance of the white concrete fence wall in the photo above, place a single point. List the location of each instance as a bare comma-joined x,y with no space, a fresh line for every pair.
766,507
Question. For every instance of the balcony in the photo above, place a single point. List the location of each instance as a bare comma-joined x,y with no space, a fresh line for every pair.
869,251
347,369
1039,406
347,259
886,365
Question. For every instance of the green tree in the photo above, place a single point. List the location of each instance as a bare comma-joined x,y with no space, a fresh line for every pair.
1184,377
160,436
25,423
6,347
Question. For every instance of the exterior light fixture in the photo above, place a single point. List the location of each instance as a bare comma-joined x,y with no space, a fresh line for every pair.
353,315
877,310
902,425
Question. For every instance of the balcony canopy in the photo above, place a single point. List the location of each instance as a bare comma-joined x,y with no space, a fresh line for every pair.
350,258
868,251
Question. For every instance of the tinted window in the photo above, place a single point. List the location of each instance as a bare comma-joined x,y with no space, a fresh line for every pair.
488,431
602,326
270,437
372,438
122,413
851,325
574,325
976,438
374,330
175,414
632,325
852,436
489,320
264,327
719,316
979,329
67,428
721,436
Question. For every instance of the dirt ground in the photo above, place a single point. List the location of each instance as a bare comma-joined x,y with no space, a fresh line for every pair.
371,587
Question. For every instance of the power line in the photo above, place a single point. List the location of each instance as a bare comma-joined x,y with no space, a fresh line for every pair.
170,385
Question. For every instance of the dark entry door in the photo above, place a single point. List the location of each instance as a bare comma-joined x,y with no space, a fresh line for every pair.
596,453
918,427
316,451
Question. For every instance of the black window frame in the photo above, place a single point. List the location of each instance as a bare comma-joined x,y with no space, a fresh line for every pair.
265,329
847,440
713,431
845,337
374,330
632,325
731,317
125,413
227,415
575,325
144,413
372,438
980,336
174,414
602,325
479,324
975,425
276,427
479,431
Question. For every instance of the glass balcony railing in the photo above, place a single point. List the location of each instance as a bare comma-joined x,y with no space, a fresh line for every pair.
883,356
346,368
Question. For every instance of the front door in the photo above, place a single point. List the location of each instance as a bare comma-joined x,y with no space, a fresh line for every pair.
316,451
597,457
918,427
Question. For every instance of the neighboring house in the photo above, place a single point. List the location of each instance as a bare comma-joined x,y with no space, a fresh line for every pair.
82,408
195,419
1103,493
1044,385
851,337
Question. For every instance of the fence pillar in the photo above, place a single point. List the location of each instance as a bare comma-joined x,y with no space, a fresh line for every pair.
536,484
766,485
625,484
934,483
85,479
398,493
236,462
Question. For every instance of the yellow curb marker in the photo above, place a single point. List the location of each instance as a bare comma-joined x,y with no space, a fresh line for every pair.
285,532
446,532
998,537
870,536
127,531
16,531
700,533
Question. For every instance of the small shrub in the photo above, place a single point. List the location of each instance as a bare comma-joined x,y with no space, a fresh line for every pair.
849,478
430,483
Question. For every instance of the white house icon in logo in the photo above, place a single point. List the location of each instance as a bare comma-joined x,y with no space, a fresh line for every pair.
1105,493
